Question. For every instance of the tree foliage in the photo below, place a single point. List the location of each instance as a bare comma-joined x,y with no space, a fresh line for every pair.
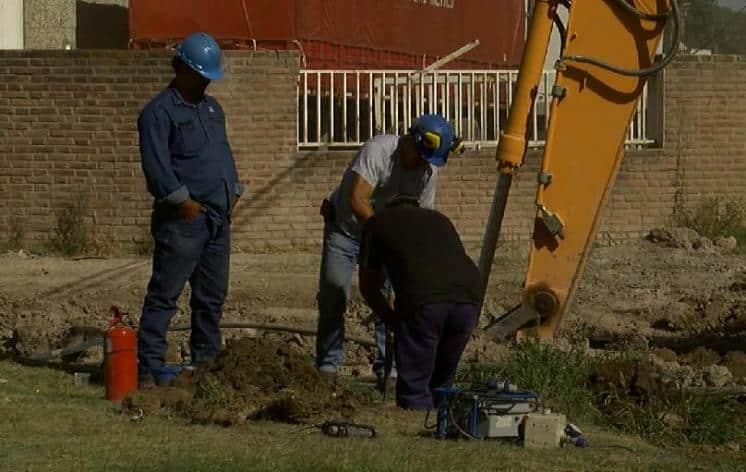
712,26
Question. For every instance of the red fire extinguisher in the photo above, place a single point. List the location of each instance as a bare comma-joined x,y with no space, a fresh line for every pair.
120,358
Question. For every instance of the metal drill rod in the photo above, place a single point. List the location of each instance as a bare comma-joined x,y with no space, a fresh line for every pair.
492,231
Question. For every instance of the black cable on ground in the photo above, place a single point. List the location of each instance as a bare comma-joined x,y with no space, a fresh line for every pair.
278,327
57,353
98,340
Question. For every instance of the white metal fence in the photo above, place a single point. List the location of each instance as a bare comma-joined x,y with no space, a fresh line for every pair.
344,108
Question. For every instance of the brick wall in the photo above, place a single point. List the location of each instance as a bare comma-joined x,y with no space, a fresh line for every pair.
643,196
706,126
67,132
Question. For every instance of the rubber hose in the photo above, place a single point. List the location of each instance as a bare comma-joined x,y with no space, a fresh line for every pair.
97,341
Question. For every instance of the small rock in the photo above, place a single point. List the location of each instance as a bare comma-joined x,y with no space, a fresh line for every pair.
726,244
705,245
679,237
659,235
735,361
702,357
664,354
717,375
3,381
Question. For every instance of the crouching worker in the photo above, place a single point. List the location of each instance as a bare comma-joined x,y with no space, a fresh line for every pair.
436,287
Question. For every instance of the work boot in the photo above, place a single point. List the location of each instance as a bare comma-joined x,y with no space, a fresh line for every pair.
329,373
165,374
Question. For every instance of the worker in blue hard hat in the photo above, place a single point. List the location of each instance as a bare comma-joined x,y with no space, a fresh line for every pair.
386,165
191,174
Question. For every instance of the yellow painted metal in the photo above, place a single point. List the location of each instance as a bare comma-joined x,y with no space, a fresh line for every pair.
584,145
512,146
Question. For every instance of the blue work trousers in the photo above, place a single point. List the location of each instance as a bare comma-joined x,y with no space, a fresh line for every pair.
197,251
338,260
429,342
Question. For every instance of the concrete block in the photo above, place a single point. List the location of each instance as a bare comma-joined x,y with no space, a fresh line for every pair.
544,430
49,24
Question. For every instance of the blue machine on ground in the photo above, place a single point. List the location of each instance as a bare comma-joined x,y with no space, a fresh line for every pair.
496,410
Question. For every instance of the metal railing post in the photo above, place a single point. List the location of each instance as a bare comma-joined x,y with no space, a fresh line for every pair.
465,102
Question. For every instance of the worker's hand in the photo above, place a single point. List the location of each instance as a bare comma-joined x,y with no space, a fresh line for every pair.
190,210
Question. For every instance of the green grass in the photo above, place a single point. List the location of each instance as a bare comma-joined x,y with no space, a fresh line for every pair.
715,217
47,423
567,382
559,376
70,237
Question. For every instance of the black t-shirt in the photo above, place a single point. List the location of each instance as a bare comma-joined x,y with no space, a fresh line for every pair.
422,254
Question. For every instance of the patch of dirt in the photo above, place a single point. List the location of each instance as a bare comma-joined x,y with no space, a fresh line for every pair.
251,379
642,295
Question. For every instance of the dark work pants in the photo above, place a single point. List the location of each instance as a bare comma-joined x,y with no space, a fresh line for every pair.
429,342
197,251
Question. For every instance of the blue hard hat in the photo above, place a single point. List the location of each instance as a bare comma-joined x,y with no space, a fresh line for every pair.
201,52
433,137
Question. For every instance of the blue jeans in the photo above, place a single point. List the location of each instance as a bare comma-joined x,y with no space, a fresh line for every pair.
338,260
197,251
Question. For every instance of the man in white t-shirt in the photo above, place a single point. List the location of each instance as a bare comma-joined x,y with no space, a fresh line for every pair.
387,165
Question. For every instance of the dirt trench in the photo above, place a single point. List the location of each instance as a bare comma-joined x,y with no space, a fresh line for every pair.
671,292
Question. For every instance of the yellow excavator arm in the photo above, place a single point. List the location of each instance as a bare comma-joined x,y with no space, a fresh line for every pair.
608,51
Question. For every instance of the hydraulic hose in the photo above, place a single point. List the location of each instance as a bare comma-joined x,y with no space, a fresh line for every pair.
674,12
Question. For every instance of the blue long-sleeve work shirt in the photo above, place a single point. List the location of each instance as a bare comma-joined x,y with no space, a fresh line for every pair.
185,152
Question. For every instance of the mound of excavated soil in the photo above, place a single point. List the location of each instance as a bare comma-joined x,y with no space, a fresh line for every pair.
253,378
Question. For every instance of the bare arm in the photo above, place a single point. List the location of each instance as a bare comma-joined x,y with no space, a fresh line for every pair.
360,196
